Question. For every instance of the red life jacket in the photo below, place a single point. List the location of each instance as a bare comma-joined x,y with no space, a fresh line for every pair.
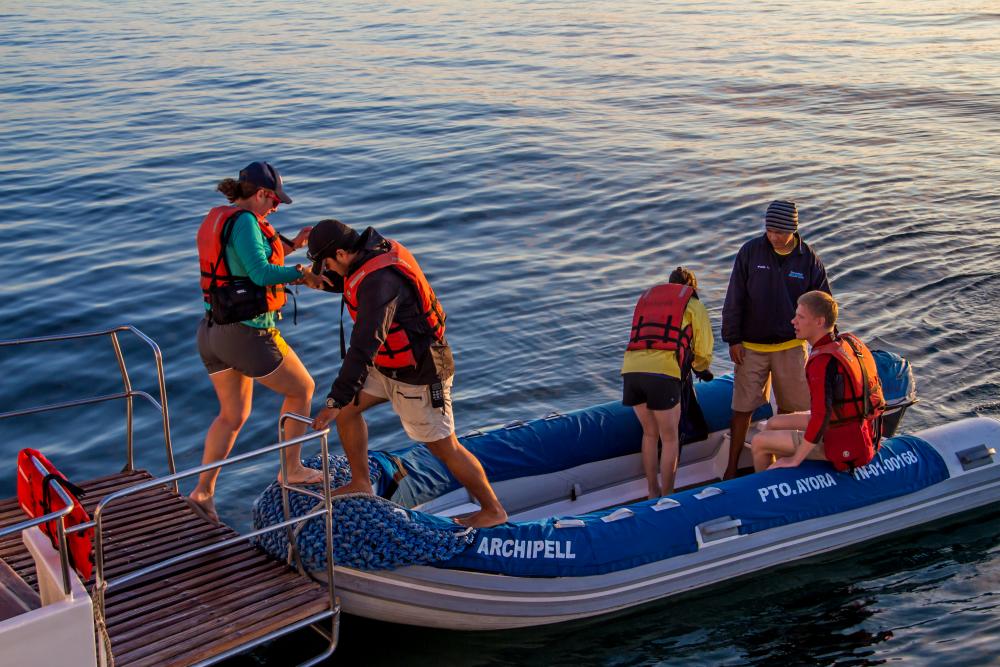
37,498
852,436
658,318
397,350
214,234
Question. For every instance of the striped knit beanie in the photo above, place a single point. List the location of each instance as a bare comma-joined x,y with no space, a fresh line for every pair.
782,216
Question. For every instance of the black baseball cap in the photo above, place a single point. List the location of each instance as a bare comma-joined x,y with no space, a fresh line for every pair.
326,238
264,175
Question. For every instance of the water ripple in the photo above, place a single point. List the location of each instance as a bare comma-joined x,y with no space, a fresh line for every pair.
546,162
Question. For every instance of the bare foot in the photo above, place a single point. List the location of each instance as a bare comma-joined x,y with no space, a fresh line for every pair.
729,474
485,518
204,507
303,475
352,487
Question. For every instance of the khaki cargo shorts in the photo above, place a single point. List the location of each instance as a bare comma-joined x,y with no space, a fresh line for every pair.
817,453
787,369
412,402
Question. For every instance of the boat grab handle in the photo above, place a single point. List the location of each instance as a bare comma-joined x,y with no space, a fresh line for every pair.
723,529
720,527
618,515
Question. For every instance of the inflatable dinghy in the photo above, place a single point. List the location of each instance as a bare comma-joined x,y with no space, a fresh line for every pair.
582,540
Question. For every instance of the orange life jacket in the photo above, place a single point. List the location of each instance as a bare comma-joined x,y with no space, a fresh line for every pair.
213,237
658,318
397,350
851,439
37,498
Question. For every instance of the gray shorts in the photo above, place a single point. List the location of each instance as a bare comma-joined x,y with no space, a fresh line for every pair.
251,351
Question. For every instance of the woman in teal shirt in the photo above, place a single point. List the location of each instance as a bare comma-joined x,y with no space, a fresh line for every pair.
237,354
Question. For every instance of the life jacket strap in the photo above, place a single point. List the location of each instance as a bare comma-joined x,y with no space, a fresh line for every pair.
343,346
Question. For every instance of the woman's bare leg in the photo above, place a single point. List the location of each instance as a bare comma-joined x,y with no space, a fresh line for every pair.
668,423
650,438
292,380
235,393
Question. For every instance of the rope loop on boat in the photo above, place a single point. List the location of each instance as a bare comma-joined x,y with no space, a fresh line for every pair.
369,532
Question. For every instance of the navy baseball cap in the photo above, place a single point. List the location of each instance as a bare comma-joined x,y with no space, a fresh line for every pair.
264,175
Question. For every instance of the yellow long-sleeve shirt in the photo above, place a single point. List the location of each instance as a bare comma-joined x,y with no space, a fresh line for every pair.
665,361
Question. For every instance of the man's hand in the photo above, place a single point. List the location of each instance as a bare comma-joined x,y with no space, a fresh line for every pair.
704,376
324,418
736,353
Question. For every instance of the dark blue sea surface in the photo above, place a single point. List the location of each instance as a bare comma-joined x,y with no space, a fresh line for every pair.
545,161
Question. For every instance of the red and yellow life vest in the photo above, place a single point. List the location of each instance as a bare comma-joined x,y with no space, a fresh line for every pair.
37,498
658,319
212,256
851,438
397,350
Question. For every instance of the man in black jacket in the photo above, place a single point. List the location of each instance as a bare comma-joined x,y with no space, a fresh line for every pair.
398,354
769,275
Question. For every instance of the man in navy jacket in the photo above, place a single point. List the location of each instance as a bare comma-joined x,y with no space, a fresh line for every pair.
769,275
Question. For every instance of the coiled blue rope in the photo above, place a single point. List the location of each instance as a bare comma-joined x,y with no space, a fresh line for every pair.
369,533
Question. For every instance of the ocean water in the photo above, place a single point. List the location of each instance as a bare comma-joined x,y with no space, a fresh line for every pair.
546,161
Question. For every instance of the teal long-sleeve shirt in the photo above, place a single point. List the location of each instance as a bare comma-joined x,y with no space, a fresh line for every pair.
247,254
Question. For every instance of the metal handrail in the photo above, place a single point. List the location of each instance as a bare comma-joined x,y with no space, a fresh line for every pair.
103,584
45,518
128,394
327,502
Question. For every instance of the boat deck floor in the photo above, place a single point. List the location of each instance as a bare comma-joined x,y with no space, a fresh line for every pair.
188,612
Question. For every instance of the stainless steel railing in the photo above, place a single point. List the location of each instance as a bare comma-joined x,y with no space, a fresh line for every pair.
102,584
128,394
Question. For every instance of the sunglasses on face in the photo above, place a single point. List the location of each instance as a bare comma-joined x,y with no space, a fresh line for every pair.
319,254
273,197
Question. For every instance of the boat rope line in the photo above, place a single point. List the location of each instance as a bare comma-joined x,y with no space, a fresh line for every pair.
681,573
369,532
101,625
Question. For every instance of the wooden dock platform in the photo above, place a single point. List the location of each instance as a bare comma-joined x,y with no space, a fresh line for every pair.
188,612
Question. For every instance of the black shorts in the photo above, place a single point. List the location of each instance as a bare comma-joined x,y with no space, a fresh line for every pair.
251,351
658,392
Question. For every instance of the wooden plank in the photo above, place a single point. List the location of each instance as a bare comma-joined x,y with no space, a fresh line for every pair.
188,616
130,560
160,530
142,610
220,633
175,587
196,565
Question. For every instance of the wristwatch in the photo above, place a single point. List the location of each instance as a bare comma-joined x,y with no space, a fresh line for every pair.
333,404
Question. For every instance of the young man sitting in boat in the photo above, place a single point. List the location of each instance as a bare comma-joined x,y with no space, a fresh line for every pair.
397,354
845,398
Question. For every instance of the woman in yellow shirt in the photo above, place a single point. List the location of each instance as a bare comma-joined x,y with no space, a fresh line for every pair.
670,336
